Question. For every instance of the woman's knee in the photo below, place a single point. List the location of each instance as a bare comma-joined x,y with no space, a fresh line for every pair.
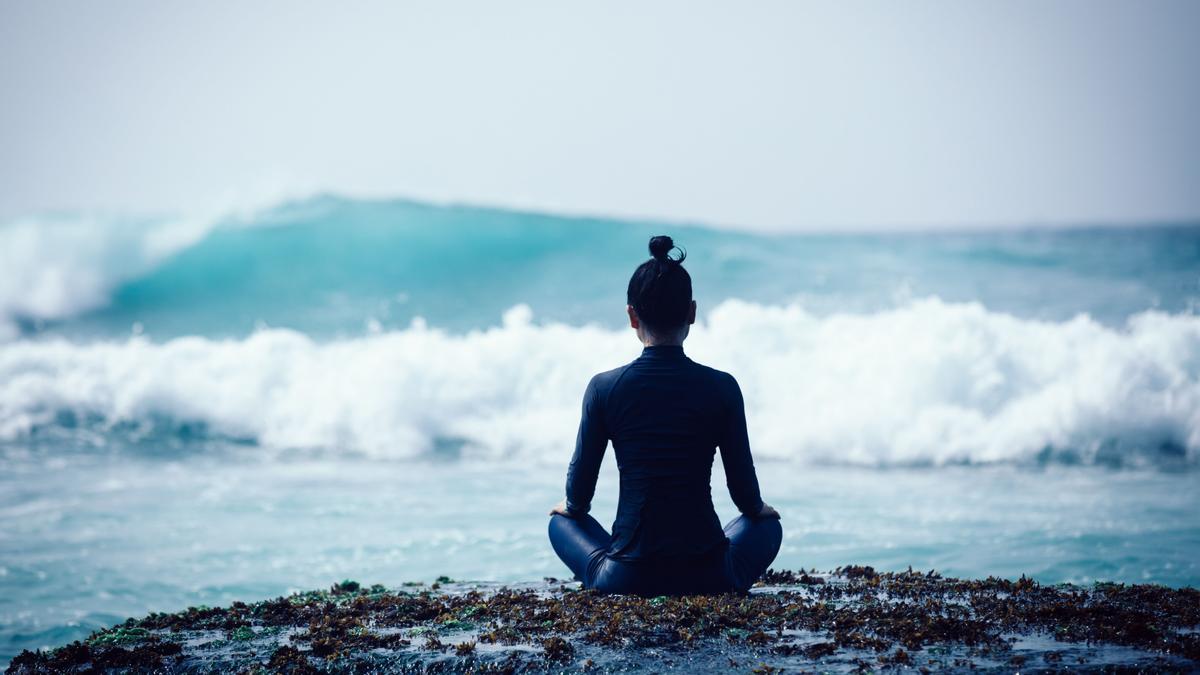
756,539
747,526
578,533
773,531
556,523
766,534
563,531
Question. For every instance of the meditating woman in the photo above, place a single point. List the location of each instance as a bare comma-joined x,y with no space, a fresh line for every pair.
665,415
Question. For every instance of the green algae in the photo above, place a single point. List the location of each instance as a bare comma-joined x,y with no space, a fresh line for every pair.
118,636
242,634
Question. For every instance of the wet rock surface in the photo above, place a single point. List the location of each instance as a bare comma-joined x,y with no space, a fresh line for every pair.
850,619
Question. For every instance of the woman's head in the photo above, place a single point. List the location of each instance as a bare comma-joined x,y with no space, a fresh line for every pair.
660,295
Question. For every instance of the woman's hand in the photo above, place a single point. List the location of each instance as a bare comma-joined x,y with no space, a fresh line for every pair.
560,508
768,511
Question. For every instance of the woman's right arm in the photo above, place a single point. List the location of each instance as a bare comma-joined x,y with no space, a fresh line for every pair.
734,442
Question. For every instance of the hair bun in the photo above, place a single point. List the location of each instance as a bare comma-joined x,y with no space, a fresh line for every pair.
661,246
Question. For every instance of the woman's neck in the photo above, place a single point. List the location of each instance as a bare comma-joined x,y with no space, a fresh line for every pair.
651,340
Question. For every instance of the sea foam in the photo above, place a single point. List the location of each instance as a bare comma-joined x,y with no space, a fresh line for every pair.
927,382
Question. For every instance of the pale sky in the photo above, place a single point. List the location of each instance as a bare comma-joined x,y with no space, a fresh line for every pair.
765,115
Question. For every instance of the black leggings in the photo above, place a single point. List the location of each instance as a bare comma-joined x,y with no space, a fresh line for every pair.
582,543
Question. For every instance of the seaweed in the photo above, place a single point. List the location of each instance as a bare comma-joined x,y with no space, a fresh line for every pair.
291,661
854,618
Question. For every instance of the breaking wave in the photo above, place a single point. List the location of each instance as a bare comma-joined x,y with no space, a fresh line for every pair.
327,266
59,267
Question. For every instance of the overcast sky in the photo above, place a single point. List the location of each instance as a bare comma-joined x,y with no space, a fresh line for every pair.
753,114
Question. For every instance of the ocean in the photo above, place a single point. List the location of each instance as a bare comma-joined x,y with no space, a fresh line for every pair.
196,411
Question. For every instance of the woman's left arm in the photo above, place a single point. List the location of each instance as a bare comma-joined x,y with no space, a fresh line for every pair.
590,444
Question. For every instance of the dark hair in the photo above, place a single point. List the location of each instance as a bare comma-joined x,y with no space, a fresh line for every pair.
660,290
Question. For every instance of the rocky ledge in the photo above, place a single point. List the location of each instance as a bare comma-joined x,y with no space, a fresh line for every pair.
850,619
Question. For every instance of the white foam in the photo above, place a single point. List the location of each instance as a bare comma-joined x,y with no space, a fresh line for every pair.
927,382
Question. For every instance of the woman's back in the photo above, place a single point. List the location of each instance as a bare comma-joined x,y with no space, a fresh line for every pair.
665,415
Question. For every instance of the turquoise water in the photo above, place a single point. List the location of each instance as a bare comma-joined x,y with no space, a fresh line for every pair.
200,411
328,266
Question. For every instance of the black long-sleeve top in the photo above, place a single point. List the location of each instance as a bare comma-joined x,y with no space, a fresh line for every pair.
665,415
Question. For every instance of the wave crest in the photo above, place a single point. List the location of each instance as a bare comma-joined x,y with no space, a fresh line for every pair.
930,382
56,268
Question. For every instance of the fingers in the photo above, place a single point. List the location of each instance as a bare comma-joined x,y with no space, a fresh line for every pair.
768,511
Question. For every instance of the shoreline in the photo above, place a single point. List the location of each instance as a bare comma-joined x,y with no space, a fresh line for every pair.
850,619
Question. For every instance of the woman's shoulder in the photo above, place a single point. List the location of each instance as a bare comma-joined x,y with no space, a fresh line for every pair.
718,376
607,378
723,385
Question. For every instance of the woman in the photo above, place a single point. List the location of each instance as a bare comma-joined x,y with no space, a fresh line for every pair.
665,415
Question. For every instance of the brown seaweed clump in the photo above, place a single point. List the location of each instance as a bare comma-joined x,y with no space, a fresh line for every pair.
853,618
154,655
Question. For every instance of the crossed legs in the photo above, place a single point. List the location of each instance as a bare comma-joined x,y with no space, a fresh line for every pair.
581,542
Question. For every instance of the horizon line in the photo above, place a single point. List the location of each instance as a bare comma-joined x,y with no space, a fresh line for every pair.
248,212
